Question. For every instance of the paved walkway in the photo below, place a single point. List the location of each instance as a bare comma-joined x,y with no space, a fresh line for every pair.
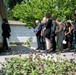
20,49
24,51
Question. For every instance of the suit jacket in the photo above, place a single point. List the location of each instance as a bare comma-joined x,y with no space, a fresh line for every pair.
53,27
6,30
38,29
75,26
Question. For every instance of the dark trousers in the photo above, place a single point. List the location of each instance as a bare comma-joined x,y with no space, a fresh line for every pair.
43,43
5,42
53,42
38,41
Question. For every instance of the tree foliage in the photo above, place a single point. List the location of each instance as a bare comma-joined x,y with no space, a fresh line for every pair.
30,10
9,4
12,3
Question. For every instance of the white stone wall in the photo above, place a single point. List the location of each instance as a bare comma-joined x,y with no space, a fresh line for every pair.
19,33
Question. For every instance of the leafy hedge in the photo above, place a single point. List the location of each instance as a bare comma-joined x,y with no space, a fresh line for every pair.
30,10
34,65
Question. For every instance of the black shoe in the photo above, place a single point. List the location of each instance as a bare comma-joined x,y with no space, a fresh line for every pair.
53,51
47,51
37,48
42,48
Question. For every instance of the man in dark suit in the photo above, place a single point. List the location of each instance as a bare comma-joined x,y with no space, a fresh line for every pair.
75,25
5,33
37,31
53,28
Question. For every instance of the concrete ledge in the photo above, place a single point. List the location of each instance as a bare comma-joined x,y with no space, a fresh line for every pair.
16,23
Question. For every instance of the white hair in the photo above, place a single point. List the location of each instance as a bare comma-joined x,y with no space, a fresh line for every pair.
37,21
44,18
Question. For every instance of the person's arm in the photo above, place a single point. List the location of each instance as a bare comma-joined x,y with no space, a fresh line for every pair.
72,27
9,28
44,28
68,31
60,28
3,27
39,29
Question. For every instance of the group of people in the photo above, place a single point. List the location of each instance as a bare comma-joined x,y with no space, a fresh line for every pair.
48,29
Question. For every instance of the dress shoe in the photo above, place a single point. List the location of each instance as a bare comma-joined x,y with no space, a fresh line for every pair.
37,48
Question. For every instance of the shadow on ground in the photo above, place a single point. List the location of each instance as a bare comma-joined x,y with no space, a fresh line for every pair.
19,49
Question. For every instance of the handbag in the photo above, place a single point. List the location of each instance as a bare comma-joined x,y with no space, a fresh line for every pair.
64,41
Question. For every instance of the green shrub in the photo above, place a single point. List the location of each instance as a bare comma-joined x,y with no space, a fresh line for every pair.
34,65
28,41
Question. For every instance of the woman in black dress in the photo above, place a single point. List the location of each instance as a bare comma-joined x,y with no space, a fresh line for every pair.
69,35
47,31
